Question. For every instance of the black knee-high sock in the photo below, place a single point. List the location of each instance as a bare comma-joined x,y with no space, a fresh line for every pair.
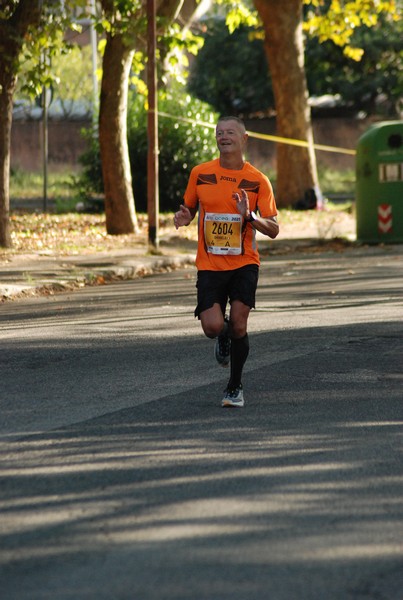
239,354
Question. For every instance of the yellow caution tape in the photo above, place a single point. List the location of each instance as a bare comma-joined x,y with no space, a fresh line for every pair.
265,136
292,142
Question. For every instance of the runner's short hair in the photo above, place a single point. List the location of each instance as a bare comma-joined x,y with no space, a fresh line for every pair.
236,119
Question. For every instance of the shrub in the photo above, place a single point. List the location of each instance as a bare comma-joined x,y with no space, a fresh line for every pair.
182,145
90,180
234,87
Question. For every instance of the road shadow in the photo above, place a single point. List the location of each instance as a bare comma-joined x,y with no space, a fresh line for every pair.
297,496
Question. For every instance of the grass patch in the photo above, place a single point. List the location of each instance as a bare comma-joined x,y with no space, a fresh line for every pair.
28,185
64,185
335,183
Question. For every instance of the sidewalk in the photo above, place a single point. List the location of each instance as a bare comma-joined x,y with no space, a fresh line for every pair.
37,274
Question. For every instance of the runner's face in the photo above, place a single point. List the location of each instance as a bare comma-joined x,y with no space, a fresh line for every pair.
230,137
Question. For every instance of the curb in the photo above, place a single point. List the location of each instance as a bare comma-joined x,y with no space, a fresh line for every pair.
79,277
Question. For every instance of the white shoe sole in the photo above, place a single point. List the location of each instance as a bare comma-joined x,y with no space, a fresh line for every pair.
232,404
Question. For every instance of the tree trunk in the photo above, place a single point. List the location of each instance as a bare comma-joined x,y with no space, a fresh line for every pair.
119,201
296,166
7,88
12,30
120,209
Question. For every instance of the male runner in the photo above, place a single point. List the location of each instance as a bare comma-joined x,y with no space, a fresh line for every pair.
228,192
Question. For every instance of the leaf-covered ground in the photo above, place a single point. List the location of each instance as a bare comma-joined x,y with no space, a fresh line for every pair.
74,233
70,233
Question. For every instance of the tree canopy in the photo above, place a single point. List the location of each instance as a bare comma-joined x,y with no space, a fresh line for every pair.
31,33
372,85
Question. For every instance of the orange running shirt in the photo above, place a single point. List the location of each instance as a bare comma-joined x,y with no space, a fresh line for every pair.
226,241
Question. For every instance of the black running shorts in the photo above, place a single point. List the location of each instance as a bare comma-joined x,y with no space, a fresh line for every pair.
221,286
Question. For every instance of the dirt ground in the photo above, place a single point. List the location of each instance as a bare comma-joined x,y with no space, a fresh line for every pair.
72,234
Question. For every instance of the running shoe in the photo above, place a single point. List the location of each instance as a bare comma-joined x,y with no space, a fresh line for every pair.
222,348
233,397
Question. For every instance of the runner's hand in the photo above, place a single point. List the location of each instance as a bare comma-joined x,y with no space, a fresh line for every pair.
182,217
242,202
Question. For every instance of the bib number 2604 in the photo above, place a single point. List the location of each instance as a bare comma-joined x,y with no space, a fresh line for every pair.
222,233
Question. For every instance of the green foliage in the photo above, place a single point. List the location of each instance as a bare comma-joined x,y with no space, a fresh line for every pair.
240,86
337,20
28,185
240,14
175,46
71,81
7,9
73,72
126,19
90,180
42,42
182,145
337,183
244,87
373,85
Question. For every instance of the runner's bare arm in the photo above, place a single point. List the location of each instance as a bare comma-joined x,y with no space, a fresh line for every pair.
184,216
267,226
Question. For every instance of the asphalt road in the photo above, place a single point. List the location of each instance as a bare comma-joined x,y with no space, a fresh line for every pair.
122,478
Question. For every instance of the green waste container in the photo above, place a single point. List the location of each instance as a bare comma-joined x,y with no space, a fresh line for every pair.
379,183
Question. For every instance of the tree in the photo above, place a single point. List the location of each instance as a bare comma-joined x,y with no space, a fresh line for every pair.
116,64
75,86
374,83
125,26
242,87
16,20
233,87
29,32
184,144
284,44
72,87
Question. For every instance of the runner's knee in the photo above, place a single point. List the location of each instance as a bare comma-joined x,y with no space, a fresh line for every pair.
238,329
212,322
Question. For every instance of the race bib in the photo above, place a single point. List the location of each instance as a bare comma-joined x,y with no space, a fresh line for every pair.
222,233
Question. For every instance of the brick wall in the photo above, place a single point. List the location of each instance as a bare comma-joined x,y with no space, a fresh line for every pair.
66,144
331,131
